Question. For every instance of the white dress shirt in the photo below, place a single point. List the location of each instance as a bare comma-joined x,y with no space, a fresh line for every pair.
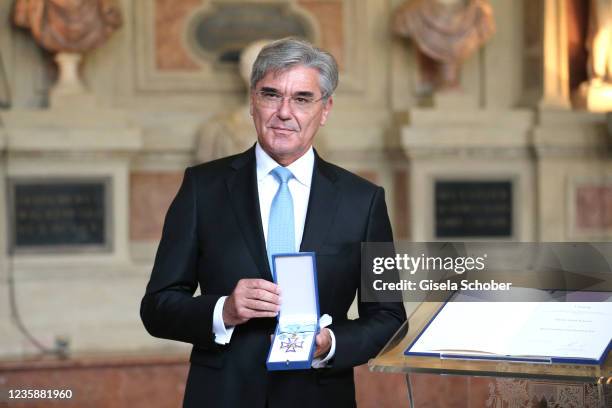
267,186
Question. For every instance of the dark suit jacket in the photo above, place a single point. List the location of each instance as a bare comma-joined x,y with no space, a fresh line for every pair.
213,237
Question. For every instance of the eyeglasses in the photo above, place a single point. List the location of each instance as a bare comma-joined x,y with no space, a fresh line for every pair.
271,99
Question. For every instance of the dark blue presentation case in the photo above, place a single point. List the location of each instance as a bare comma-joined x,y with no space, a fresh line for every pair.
293,344
542,359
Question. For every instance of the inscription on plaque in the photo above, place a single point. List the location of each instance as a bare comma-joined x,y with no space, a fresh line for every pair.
473,209
222,31
54,214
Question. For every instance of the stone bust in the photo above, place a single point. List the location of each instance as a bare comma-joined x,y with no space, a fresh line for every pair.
73,26
447,31
233,132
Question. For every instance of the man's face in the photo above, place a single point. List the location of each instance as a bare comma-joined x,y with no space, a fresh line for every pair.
286,131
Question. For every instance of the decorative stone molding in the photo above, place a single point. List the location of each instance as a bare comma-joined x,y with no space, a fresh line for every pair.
571,135
475,147
197,74
432,133
75,146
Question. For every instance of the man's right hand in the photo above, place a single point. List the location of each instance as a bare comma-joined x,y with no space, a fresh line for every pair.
251,298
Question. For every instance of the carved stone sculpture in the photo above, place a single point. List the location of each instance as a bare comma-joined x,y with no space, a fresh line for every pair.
447,31
233,132
68,28
73,26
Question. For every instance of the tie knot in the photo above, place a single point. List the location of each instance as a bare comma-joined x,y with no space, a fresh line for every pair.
282,174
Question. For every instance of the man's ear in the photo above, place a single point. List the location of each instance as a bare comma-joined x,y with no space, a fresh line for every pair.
326,109
251,105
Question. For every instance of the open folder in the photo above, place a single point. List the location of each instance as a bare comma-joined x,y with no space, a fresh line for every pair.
544,332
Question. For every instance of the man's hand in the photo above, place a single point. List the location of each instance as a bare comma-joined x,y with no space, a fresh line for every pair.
323,343
251,298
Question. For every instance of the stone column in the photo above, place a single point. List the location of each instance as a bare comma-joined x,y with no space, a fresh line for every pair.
556,63
8,334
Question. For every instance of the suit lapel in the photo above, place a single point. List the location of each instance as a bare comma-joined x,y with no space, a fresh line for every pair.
242,187
322,206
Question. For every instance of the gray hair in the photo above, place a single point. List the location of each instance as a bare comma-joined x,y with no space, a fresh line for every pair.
286,53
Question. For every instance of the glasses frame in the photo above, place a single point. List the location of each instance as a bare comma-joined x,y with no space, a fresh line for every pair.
259,98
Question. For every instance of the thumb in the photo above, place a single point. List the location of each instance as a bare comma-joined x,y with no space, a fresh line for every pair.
320,337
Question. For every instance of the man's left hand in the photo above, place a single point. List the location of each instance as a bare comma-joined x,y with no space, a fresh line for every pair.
323,343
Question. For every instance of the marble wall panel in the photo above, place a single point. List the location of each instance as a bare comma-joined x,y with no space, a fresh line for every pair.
329,15
118,382
142,381
150,196
379,390
593,207
170,20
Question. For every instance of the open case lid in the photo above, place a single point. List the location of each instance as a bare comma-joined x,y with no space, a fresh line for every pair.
296,274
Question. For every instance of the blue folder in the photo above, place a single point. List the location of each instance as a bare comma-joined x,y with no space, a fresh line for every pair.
293,344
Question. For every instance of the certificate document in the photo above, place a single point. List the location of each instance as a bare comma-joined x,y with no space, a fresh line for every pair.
567,332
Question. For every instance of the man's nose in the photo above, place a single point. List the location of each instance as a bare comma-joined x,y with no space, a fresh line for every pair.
284,109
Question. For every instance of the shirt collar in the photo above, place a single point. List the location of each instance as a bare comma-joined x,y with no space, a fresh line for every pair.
301,168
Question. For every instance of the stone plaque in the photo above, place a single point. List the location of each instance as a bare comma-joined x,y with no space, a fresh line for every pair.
473,209
60,215
222,31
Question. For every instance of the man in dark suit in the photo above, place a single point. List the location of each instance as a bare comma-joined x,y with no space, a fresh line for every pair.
222,226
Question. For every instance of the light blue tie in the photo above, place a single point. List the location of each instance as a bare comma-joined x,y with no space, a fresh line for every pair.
281,227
